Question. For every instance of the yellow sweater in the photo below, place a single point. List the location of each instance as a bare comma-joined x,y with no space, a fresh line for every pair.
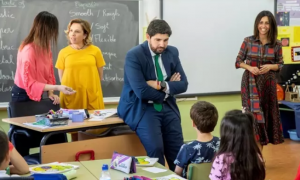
80,72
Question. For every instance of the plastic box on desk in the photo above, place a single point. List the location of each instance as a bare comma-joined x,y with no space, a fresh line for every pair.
77,116
55,121
293,135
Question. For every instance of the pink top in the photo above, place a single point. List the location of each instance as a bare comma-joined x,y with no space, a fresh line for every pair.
34,71
221,165
220,169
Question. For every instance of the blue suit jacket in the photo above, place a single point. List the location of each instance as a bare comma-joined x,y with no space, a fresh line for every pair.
136,93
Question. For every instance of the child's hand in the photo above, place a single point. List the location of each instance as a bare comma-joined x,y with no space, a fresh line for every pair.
18,164
243,109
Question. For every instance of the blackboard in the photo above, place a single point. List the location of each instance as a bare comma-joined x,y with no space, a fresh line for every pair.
115,30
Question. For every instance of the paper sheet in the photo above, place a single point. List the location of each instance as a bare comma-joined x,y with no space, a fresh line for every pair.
105,113
155,170
170,177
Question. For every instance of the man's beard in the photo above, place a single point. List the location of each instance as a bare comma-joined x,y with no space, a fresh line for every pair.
156,50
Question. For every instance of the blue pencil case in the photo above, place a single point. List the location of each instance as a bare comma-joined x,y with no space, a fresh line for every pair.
49,177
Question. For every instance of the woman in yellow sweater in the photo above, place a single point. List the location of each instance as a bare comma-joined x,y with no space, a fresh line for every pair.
80,66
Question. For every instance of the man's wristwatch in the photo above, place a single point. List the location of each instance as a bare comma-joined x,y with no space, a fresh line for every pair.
163,85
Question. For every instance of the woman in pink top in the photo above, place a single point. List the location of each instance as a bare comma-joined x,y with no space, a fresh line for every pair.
35,72
239,157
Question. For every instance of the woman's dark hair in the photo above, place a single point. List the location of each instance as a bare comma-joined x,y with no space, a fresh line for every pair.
3,146
272,34
238,140
44,32
158,26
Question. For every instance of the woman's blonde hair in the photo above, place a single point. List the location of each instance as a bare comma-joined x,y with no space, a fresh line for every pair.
86,27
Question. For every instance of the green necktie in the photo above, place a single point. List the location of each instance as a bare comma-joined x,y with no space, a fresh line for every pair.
160,77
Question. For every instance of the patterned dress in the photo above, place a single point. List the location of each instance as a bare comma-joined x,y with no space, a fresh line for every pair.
220,169
259,94
196,152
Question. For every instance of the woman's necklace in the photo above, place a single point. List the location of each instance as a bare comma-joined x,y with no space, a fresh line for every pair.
77,48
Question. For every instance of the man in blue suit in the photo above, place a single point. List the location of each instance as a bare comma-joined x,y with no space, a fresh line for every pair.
153,75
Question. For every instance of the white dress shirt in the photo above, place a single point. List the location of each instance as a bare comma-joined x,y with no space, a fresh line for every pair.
167,91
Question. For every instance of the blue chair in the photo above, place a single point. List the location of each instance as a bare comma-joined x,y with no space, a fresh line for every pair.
17,178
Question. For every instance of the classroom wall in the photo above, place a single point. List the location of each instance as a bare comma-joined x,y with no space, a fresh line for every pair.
151,11
3,126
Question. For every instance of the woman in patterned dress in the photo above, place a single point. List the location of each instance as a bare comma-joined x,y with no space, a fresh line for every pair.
261,57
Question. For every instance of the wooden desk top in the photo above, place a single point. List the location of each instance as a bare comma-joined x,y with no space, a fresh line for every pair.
83,173
28,119
95,167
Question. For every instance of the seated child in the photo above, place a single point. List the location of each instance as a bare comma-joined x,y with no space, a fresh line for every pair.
9,154
204,117
239,156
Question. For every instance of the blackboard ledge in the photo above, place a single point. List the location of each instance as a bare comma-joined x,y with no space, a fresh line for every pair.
207,94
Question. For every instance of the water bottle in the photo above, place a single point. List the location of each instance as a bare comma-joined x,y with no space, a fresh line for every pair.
105,173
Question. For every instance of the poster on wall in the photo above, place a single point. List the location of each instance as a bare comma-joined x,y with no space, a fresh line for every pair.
288,20
296,53
285,41
288,12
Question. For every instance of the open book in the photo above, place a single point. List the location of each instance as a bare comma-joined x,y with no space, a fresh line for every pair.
145,161
52,168
99,115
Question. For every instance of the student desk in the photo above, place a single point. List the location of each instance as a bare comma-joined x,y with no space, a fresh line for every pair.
95,167
71,127
82,172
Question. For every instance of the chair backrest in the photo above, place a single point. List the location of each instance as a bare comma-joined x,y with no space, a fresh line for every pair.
17,178
30,108
199,171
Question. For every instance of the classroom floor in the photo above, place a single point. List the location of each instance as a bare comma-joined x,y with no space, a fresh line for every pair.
282,160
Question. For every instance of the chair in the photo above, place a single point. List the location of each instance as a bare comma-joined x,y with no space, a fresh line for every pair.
199,171
30,108
17,178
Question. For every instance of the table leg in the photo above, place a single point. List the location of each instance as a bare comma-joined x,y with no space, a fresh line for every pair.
44,140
